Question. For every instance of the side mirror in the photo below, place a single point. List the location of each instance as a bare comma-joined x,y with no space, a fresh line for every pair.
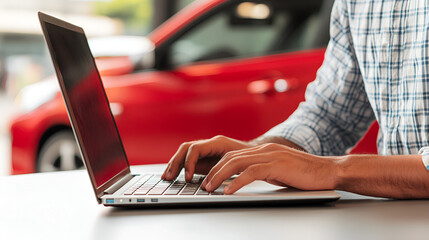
140,50
252,13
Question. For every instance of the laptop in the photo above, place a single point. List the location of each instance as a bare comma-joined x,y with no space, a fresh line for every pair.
102,149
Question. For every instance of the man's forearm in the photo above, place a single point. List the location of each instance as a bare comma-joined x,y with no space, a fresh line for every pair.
401,176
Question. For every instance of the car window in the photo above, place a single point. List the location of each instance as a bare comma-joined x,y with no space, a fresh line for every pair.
250,28
180,4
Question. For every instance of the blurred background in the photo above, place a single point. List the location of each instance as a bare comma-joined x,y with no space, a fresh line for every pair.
218,67
24,58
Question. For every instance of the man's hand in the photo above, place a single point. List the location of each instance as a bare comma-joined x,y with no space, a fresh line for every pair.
277,161
200,156
273,163
222,157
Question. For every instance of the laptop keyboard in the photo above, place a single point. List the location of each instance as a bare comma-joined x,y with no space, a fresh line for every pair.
154,185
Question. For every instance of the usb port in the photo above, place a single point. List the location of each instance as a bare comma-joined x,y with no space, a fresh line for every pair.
154,200
140,200
110,200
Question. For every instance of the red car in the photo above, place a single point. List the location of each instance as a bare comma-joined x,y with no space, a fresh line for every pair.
235,68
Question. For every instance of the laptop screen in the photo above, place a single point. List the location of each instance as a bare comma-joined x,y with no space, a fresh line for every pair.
87,104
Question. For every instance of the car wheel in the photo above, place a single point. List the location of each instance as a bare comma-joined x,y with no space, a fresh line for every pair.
59,153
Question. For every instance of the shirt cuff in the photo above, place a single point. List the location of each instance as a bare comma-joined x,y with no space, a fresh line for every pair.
425,156
300,135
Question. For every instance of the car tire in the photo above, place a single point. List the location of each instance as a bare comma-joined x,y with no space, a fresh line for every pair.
60,152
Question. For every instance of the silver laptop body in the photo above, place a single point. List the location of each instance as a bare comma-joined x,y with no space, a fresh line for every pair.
102,149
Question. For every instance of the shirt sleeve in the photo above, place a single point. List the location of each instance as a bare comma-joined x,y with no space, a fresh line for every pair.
425,156
336,112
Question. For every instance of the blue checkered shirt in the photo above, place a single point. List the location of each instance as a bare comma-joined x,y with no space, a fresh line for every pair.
376,67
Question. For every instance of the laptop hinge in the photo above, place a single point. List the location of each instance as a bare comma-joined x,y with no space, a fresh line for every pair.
112,189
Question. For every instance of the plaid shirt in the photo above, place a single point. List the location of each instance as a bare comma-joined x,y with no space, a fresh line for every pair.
376,67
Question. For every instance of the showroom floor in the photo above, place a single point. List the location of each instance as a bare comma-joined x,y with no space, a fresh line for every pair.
5,113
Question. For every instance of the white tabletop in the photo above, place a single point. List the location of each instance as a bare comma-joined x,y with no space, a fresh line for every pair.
63,206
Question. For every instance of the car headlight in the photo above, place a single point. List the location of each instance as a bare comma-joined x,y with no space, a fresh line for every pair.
35,95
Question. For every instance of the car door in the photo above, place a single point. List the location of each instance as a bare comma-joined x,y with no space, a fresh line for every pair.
237,71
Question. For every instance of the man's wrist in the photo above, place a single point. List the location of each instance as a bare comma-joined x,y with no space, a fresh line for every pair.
339,171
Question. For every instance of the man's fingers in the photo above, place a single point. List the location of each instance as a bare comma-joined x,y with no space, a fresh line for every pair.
195,151
176,163
234,166
234,155
216,146
225,159
165,172
189,153
228,170
252,173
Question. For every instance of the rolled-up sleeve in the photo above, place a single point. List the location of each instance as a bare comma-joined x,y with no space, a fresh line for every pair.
336,112
425,156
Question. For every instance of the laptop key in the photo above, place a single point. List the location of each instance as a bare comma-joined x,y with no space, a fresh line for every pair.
141,192
156,192
202,192
196,179
187,193
137,186
190,189
144,179
216,193
172,191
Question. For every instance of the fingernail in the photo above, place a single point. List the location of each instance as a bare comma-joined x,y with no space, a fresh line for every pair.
168,175
227,190
209,186
203,184
187,174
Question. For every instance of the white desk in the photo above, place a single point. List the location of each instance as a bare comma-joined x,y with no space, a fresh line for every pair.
62,206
